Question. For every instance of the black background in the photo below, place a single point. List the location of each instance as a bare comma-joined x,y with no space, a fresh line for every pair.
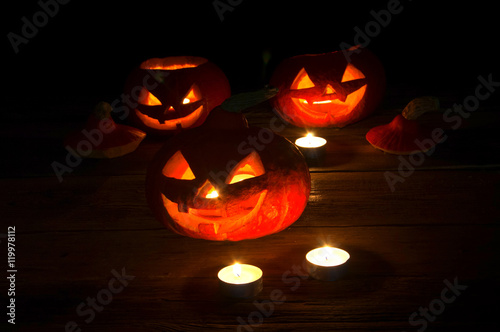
84,53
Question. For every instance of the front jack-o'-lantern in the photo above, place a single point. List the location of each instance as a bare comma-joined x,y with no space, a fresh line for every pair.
175,93
325,90
227,181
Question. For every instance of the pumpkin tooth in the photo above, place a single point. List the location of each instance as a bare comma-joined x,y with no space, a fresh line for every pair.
211,228
182,207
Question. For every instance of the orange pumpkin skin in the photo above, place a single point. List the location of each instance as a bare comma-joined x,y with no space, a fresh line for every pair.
325,90
174,93
261,180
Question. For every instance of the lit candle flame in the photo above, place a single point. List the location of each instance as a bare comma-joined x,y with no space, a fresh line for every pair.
212,194
310,141
327,256
326,251
237,269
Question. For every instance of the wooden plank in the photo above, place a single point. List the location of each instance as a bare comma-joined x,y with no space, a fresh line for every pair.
424,197
467,145
352,199
349,313
439,223
412,251
393,271
32,150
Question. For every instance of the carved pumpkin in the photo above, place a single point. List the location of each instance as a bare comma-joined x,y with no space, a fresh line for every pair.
325,90
227,181
175,93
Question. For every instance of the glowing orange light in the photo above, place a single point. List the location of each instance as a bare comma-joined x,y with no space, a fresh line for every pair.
173,66
237,269
212,194
147,98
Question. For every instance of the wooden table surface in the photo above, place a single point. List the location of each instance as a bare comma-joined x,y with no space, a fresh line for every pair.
423,256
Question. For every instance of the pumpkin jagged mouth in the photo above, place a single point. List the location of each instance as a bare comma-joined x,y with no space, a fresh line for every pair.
330,107
184,122
221,220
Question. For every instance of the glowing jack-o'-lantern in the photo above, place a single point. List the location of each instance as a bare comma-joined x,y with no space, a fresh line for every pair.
227,181
325,90
175,93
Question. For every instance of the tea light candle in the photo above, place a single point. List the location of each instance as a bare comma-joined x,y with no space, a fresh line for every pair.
240,280
327,263
310,141
312,147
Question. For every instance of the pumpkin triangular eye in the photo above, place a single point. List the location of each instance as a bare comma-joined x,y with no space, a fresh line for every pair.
302,81
329,89
192,95
147,98
178,168
351,73
249,167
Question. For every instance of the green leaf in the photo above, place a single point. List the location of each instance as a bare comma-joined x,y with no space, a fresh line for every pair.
242,101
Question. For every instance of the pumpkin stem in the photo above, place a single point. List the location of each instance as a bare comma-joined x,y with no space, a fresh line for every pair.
419,106
102,110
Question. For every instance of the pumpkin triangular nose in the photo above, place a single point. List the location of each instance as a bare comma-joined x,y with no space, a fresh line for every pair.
168,110
329,90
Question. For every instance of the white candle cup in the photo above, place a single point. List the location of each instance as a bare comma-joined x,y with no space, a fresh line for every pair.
313,148
240,280
327,263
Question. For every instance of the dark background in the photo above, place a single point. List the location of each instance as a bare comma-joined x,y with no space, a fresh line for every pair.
86,51
84,54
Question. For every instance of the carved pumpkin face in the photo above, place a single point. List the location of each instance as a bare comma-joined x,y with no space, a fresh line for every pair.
325,90
175,93
211,183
